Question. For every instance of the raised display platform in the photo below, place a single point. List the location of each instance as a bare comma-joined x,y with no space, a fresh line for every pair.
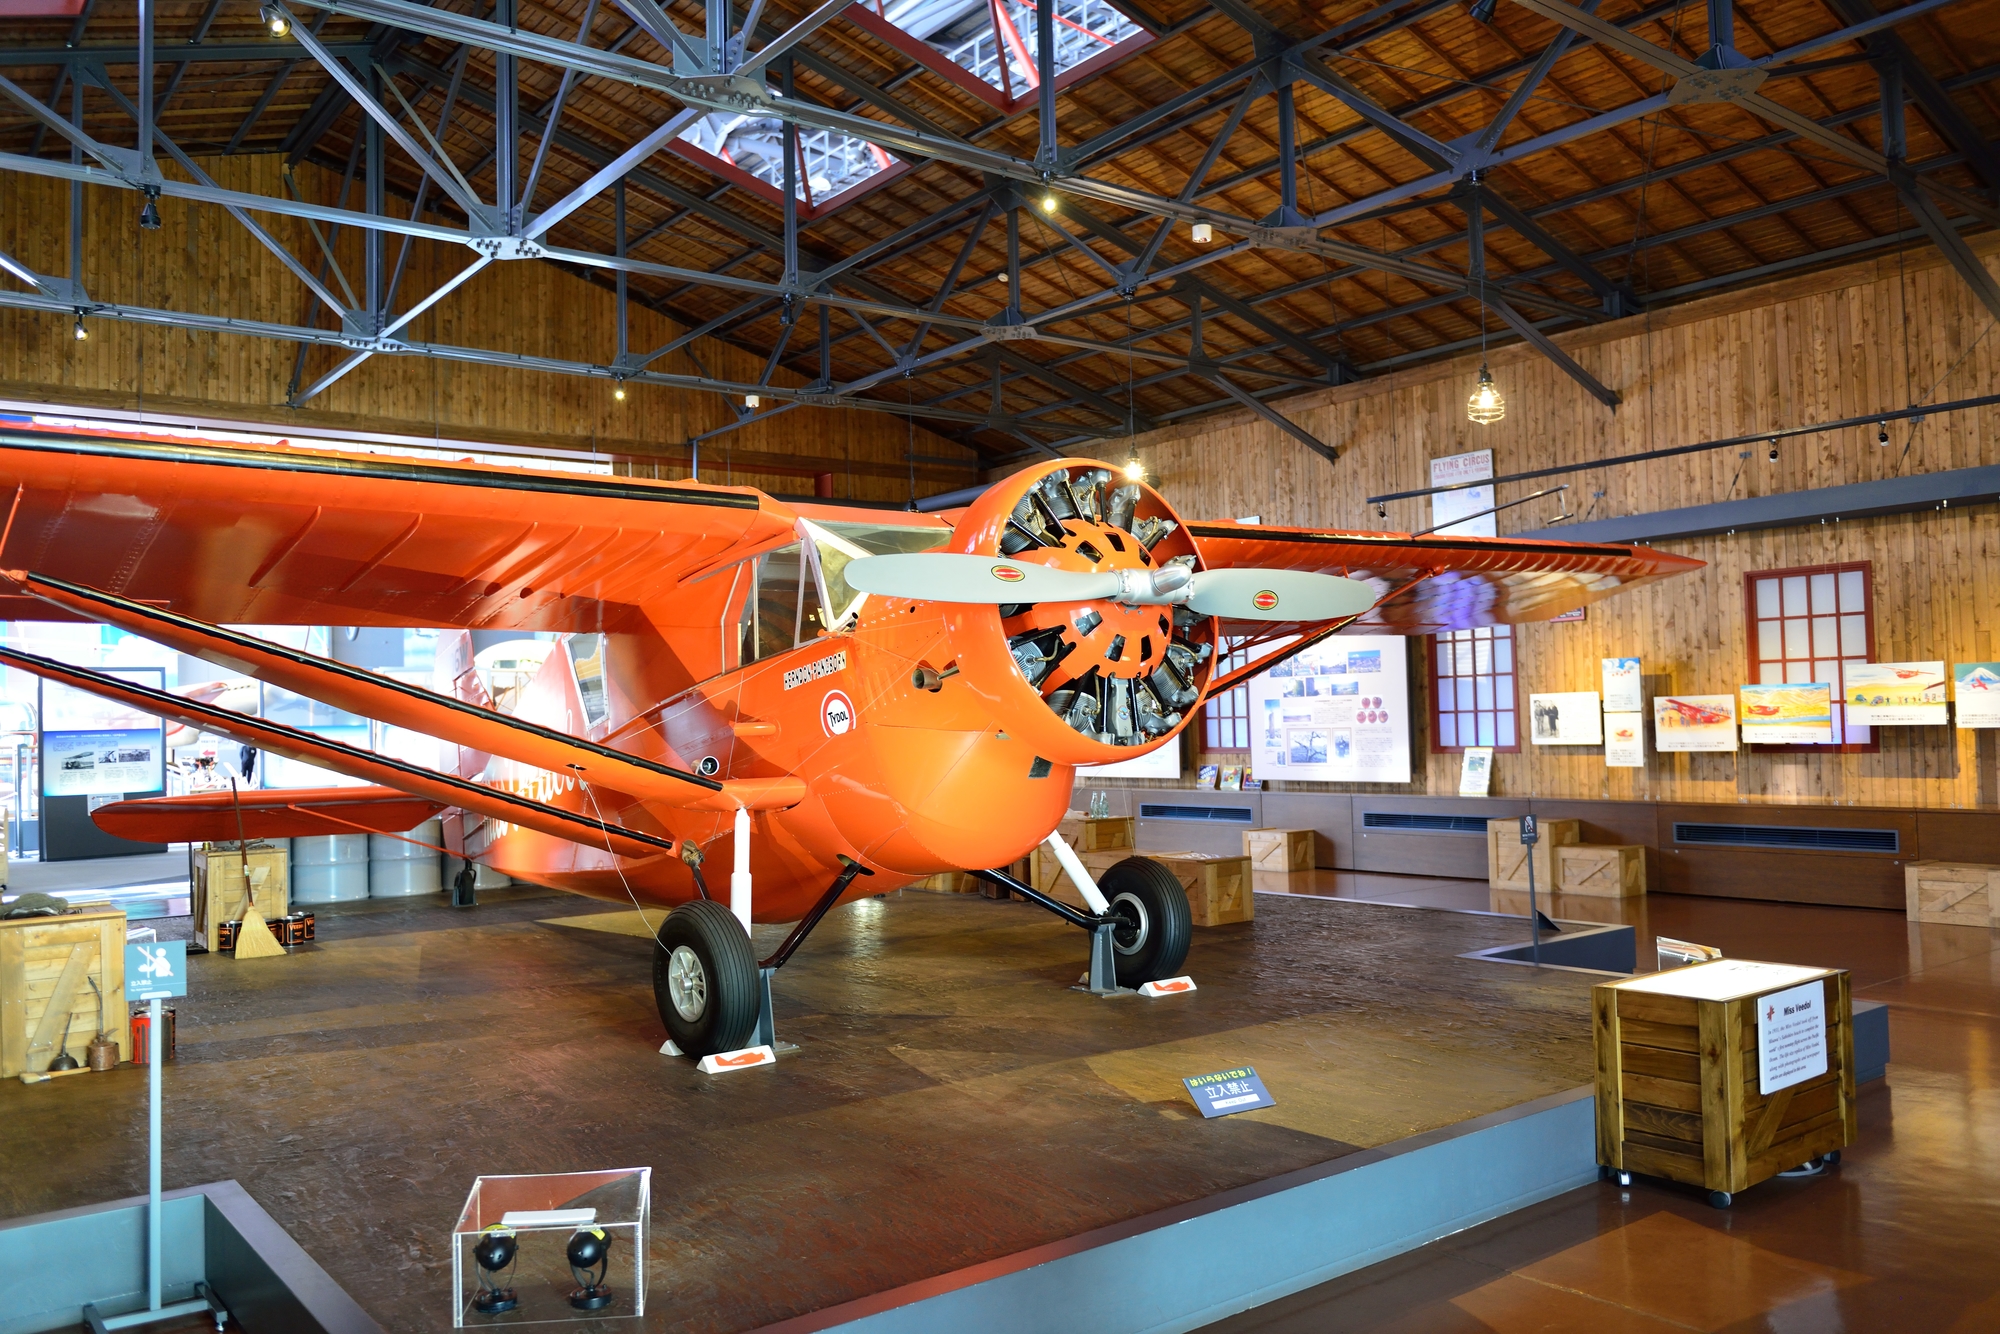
954,1103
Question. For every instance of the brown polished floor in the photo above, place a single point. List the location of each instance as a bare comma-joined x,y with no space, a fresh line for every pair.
1903,1235
954,1100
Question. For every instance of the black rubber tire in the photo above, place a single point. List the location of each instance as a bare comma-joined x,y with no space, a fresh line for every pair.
718,955
1151,941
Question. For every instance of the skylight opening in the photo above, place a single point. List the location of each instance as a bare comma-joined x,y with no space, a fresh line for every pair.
830,163
996,39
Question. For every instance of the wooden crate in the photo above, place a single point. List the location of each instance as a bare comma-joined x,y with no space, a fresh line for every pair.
1219,886
1279,850
1602,871
1507,859
44,959
1955,893
1087,835
1677,1086
217,890
1046,873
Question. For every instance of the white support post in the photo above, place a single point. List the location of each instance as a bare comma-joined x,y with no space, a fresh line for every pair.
154,1020
1079,877
739,878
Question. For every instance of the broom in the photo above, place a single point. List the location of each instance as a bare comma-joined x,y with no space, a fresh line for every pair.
253,938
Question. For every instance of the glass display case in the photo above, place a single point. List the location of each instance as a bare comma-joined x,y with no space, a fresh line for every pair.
568,1246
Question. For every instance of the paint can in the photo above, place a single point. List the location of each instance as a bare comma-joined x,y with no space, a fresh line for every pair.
141,1038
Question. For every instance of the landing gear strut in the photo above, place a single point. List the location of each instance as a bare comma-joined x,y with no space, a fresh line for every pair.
1144,934
713,994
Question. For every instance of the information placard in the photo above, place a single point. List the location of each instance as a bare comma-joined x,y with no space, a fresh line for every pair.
1976,693
1227,1092
1475,772
1694,722
93,746
1337,712
1791,1036
1449,507
1624,740
1894,694
1622,688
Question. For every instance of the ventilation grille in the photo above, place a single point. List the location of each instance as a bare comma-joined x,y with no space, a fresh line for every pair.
1787,836
1206,814
1424,824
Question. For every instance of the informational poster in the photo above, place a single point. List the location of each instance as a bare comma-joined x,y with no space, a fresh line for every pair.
1338,712
1794,714
1976,692
1161,762
1624,740
1894,694
1694,722
1475,772
1574,718
1447,507
1622,691
97,747
1791,1036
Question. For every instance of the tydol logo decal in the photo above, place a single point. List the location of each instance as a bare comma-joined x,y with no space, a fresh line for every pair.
836,713
1265,600
1009,574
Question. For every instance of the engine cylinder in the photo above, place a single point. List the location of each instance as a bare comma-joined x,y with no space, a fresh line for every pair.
1083,682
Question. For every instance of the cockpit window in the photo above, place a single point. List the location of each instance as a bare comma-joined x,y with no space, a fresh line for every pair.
798,591
835,544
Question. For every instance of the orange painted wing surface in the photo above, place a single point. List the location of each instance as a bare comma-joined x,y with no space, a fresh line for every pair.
270,534
369,767
224,816
1431,584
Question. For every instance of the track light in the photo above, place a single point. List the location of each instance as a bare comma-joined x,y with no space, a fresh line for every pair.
1050,203
149,216
1381,510
1135,471
1773,455
1485,406
1203,233
80,332
276,21
1882,434
1482,10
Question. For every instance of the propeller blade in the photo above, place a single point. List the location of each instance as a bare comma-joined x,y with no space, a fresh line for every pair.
942,576
1278,595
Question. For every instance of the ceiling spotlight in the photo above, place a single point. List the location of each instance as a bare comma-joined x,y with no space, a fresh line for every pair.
149,216
80,332
1002,276
1050,203
1381,510
1882,434
1135,471
1485,406
751,400
276,21
1482,10
1203,233
1773,455
619,392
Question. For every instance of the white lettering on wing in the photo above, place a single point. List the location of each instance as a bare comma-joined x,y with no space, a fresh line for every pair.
813,671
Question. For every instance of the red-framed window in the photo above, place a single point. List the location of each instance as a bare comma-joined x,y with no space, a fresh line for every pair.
1225,719
1474,696
1805,625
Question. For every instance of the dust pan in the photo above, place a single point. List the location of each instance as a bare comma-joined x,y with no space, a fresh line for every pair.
254,939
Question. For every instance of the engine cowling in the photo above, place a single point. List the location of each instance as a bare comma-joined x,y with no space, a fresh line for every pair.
1084,682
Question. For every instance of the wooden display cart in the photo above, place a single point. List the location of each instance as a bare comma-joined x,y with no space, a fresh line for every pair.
1507,858
217,890
47,967
1678,1076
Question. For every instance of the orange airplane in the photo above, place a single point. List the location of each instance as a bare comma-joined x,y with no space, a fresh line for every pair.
1696,714
838,700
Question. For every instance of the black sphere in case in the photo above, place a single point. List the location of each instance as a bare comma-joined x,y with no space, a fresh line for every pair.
589,1259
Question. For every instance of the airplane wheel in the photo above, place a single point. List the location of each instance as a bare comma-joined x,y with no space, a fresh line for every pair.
705,979
1156,924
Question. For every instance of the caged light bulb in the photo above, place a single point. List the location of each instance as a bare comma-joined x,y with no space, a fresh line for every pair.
1485,406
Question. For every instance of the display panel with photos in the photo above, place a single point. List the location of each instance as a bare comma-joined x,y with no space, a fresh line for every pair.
1568,718
1336,712
94,747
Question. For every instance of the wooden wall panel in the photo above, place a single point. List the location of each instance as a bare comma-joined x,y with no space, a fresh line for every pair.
203,262
1841,343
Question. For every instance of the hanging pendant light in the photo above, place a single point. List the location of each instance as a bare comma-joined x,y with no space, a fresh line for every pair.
1485,406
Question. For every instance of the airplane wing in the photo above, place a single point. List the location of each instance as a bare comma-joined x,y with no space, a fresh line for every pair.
274,534
225,815
367,766
374,696
1431,584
